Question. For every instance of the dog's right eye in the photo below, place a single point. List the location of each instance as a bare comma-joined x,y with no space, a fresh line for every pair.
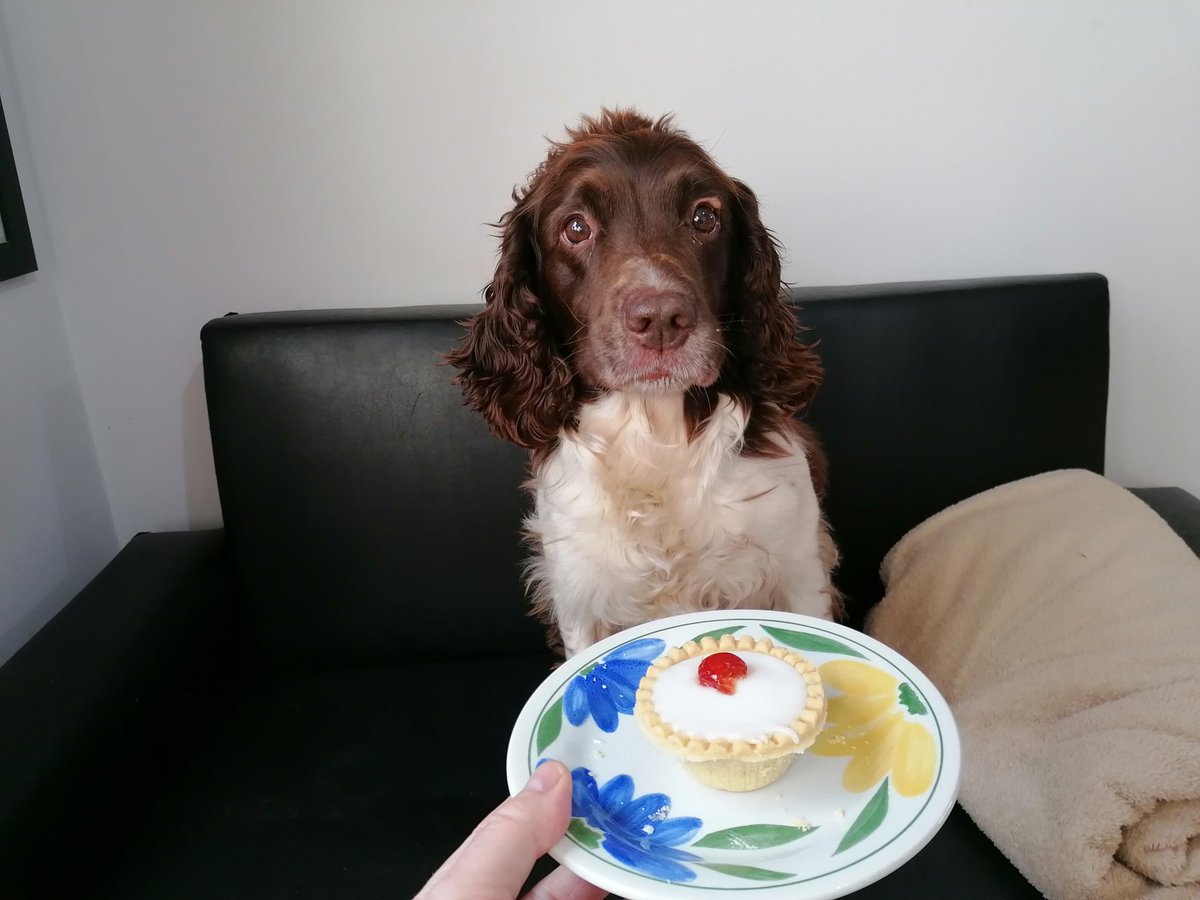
705,218
577,230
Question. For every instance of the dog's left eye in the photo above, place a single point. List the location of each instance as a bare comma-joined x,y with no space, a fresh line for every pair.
705,219
577,230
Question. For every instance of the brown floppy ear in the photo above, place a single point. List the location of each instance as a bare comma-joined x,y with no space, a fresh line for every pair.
775,366
511,369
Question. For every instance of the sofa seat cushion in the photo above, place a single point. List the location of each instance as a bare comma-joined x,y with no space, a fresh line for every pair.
336,785
339,784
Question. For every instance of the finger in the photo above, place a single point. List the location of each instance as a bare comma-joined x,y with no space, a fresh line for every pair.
495,860
563,884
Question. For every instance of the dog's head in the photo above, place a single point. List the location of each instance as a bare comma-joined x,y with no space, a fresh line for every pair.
632,262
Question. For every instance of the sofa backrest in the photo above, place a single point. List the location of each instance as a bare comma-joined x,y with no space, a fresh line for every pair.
370,514
935,391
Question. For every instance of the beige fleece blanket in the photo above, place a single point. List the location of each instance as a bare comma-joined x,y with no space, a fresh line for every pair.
1060,616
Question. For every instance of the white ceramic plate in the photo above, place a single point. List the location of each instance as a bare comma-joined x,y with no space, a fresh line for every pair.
871,792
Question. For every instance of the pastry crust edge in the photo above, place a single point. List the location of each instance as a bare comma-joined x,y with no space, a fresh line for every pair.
694,749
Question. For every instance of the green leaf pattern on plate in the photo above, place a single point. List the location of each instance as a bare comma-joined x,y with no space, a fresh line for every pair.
868,820
910,700
813,643
752,837
549,727
718,633
583,834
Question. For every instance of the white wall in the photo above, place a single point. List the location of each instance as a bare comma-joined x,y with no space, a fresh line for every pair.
200,157
56,530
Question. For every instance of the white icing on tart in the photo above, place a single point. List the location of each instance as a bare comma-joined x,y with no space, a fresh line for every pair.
734,742
766,701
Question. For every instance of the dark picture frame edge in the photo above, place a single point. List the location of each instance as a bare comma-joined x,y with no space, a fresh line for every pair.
16,250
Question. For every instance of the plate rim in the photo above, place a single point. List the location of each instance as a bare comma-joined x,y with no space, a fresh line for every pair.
637,886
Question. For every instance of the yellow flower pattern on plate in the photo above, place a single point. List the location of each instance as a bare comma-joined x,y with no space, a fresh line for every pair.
867,722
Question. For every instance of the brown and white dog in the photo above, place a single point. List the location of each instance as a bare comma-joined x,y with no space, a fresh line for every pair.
636,341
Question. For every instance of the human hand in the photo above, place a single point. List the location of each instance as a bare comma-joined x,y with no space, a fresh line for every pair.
493,863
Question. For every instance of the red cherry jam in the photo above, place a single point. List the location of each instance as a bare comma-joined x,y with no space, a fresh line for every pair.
721,671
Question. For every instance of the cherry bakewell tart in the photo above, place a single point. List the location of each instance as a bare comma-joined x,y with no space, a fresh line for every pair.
736,711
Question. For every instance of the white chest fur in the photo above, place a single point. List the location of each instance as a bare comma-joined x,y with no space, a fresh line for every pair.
636,522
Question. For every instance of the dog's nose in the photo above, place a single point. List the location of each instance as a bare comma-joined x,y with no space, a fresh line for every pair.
659,320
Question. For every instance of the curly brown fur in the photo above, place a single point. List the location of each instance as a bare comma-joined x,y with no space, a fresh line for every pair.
631,262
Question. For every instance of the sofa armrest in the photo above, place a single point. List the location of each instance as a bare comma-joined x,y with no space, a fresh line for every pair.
1178,508
101,702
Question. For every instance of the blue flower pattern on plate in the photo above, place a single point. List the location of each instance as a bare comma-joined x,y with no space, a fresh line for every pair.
607,689
638,831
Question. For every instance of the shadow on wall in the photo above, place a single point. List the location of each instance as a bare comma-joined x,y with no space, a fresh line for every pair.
84,518
79,514
199,475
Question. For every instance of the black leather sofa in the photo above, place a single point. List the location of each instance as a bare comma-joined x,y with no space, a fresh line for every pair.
257,711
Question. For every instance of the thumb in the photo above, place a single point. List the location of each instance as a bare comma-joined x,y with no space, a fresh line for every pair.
496,859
